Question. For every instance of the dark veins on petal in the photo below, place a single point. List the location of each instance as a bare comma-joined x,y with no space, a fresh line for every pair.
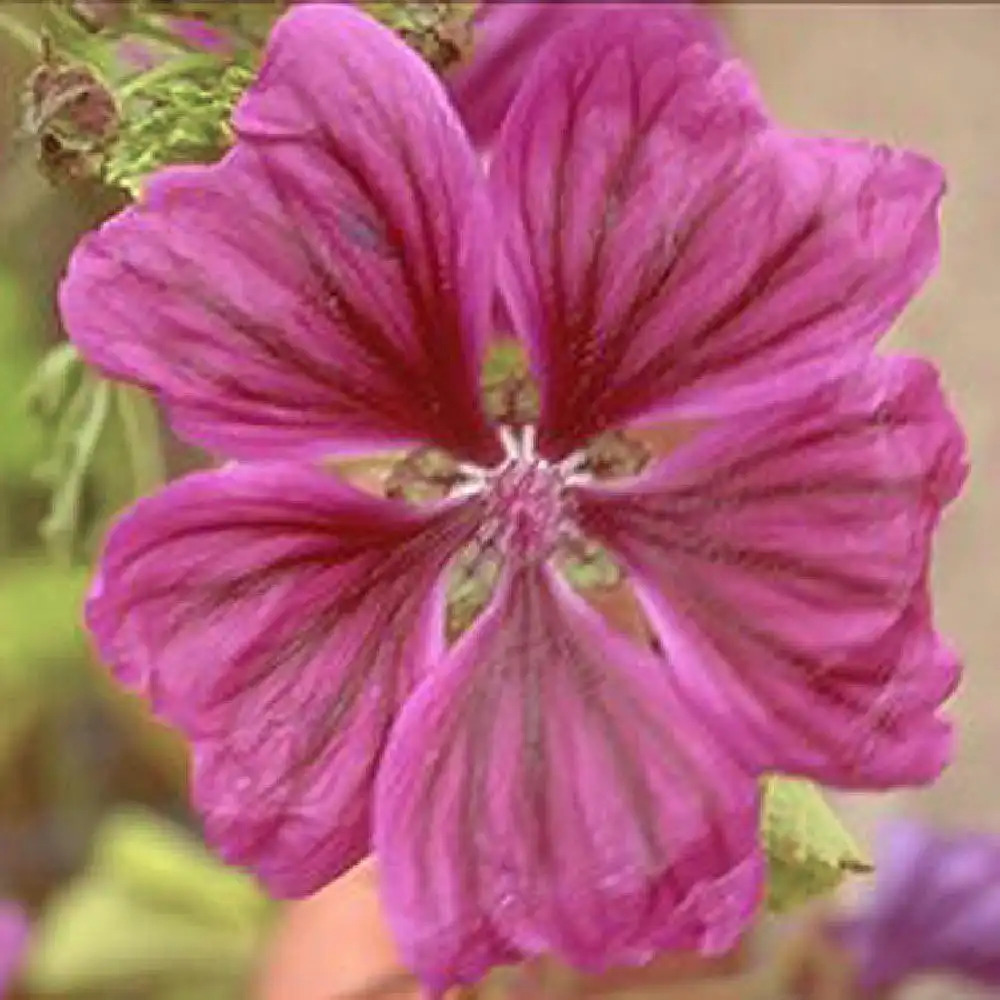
678,535
595,379
282,717
399,370
537,653
433,378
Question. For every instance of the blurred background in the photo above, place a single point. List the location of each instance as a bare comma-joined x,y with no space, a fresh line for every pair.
925,76
94,830
96,839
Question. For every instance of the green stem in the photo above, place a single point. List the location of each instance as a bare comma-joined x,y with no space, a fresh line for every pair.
166,71
20,33
77,441
141,427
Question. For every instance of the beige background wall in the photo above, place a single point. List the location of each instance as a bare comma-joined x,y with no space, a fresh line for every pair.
927,76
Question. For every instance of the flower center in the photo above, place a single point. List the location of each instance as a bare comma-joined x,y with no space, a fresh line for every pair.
525,505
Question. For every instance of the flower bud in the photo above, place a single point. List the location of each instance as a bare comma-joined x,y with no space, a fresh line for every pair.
72,114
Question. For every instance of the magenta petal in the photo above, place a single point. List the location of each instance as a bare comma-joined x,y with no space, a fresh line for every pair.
671,252
542,793
329,284
784,561
510,36
279,618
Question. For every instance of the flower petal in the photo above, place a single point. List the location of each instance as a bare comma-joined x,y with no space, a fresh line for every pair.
279,618
542,794
510,36
784,563
672,253
329,284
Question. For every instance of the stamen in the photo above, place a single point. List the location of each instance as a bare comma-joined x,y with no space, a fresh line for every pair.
529,438
470,489
573,463
511,446
471,471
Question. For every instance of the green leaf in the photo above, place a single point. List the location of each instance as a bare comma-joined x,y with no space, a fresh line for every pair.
809,851
141,430
72,39
48,388
168,870
95,936
177,112
77,438
99,433
154,912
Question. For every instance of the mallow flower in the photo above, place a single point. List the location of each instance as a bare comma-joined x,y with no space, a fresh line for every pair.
533,780
935,907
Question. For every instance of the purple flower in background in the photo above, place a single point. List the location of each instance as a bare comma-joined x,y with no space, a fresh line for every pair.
542,784
200,34
143,55
14,934
935,908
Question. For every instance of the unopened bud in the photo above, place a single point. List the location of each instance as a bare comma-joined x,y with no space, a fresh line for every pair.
72,114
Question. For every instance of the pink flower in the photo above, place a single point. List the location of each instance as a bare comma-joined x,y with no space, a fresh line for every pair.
935,908
14,935
667,254
510,35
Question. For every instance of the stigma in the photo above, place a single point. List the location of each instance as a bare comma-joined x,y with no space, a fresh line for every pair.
525,502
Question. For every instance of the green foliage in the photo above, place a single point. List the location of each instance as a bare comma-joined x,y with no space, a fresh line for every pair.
41,648
88,419
153,908
42,641
179,110
79,428
72,404
17,456
809,851
178,113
